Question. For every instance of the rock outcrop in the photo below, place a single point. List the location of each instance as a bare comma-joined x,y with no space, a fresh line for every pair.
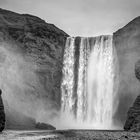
127,44
137,69
2,114
44,126
31,59
133,116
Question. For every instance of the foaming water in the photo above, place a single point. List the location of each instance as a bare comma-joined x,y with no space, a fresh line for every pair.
89,84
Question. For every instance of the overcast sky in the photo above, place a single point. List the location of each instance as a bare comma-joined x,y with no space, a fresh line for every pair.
79,17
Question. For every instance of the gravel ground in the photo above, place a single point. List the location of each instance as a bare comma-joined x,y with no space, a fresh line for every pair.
69,135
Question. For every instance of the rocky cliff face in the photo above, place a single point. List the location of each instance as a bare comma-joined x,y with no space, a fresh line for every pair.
133,116
127,44
31,56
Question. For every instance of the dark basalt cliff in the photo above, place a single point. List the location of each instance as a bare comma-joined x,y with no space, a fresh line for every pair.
133,116
31,57
127,44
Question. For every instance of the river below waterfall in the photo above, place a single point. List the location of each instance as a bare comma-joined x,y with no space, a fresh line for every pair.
69,135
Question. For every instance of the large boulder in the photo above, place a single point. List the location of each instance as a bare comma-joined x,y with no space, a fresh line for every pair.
133,117
31,60
44,126
2,114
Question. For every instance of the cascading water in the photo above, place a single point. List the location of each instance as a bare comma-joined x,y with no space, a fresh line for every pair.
88,83
68,77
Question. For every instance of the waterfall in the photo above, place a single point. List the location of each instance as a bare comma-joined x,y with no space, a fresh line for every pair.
88,83
68,77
